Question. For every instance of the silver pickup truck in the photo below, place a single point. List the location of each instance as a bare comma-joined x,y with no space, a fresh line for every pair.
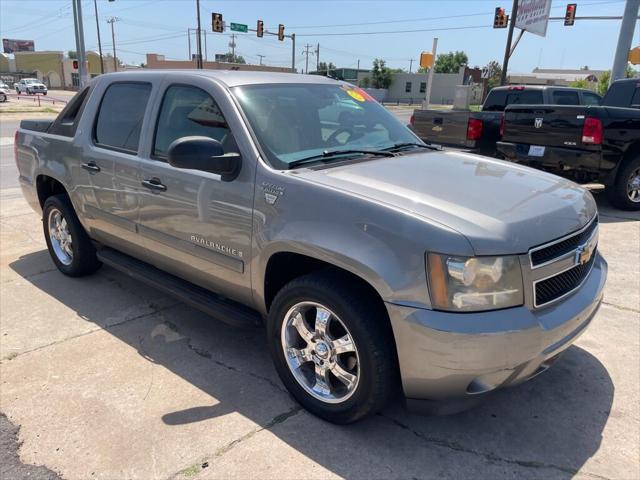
379,265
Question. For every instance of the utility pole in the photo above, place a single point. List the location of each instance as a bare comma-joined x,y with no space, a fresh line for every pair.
410,64
318,57
199,39
430,75
261,57
306,51
232,45
95,7
113,20
358,67
507,50
625,38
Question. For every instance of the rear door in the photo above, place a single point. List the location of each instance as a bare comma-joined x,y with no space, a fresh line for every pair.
112,159
196,225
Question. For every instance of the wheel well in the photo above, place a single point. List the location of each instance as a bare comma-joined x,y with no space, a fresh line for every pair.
286,266
48,186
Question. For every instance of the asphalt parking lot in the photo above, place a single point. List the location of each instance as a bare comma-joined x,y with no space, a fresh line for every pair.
107,378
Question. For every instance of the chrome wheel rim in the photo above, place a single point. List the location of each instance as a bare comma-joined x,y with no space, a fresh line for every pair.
60,236
633,186
320,352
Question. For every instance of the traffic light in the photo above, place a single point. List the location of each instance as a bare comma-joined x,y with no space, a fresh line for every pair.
634,56
216,22
260,28
570,15
75,64
500,19
281,32
426,59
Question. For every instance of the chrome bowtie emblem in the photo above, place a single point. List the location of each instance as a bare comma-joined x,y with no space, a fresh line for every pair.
584,252
537,123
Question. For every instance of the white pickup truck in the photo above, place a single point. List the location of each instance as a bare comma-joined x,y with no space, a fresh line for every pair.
30,86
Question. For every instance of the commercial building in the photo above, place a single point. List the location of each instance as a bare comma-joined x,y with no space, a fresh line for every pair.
52,68
155,61
554,76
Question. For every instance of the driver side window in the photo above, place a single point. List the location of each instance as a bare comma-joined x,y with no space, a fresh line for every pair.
190,111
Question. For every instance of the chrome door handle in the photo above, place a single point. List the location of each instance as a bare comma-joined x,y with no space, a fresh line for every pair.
154,184
91,167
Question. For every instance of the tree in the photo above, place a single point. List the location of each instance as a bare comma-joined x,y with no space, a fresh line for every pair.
603,82
451,62
365,82
72,55
581,83
380,74
494,73
324,68
585,67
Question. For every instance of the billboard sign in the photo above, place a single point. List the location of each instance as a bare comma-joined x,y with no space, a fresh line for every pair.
533,16
10,45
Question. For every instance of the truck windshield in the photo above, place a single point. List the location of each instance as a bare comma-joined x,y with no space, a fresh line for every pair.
297,121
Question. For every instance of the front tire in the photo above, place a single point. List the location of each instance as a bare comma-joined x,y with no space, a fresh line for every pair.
69,245
625,193
333,347
3,98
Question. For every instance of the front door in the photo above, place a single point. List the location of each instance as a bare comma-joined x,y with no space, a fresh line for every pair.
197,225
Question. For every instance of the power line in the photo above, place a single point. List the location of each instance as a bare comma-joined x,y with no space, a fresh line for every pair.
350,34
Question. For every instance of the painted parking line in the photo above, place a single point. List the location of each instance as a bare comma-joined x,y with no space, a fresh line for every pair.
4,141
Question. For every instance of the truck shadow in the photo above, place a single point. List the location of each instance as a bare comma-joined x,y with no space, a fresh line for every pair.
551,425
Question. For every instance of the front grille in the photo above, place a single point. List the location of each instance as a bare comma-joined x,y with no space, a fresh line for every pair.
555,287
562,246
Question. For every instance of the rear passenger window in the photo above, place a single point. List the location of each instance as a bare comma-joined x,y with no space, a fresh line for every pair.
591,98
524,97
188,111
121,114
561,97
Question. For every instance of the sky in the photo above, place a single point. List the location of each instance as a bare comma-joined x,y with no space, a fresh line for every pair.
376,28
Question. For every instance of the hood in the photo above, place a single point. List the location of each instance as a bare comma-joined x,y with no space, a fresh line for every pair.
501,207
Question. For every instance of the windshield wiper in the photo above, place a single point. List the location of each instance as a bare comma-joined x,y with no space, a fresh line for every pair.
403,145
329,154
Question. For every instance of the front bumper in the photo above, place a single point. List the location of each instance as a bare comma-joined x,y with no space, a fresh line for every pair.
457,356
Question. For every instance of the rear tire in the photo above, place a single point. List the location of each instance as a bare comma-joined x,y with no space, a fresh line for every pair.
69,245
355,349
625,192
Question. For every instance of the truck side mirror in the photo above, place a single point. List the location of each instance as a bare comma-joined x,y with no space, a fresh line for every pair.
205,154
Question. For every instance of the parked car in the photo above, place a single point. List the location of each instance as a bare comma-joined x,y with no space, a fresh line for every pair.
30,86
587,144
4,92
478,132
300,203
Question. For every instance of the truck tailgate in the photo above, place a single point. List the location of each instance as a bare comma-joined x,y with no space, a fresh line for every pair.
448,127
547,125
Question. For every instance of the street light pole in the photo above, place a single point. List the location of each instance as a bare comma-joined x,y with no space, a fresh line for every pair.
82,58
95,7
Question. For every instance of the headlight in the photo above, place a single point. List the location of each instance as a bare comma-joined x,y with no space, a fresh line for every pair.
468,284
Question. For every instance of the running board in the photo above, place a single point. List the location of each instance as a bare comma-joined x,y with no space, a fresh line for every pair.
218,307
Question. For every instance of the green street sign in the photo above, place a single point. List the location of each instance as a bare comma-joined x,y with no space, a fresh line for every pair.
239,27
